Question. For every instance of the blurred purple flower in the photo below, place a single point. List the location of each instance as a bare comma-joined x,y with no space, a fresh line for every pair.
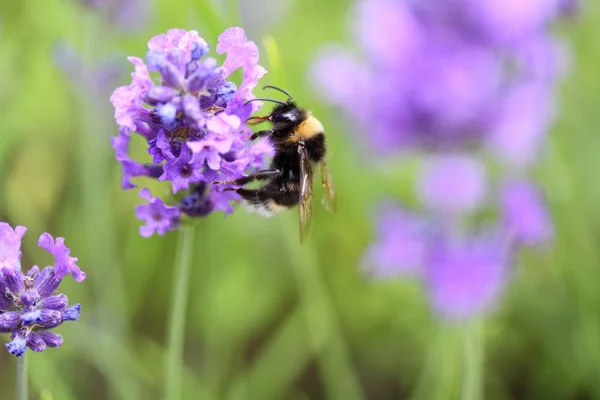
28,306
465,277
401,244
520,125
452,81
126,15
453,184
99,79
524,214
432,79
193,121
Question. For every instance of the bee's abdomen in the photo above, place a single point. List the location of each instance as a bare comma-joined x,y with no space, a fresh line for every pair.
316,147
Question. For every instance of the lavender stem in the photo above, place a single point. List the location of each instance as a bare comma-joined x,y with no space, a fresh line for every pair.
472,376
176,327
22,390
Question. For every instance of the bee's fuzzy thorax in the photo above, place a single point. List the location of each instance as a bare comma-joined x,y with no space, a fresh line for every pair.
308,128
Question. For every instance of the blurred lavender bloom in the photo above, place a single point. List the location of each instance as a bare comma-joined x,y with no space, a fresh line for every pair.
455,81
98,79
126,15
465,276
28,306
400,246
193,121
431,80
524,214
255,18
453,184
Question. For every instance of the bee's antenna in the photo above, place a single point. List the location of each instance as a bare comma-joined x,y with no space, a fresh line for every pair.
257,99
281,90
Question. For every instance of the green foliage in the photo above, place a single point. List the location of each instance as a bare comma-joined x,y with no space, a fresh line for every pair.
268,319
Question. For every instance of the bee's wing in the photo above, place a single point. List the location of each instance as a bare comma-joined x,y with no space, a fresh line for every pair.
305,206
329,197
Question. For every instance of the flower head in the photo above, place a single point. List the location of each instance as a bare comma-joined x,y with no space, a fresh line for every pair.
453,82
191,115
436,73
29,306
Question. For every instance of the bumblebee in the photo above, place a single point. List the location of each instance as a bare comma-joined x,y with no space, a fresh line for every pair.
299,142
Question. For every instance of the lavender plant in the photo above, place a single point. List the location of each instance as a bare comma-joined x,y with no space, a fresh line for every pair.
192,120
29,307
191,116
467,85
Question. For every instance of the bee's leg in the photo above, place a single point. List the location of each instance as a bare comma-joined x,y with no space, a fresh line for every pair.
260,134
258,176
279,197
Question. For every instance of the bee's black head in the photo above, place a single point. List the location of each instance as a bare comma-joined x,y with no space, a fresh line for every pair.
286,114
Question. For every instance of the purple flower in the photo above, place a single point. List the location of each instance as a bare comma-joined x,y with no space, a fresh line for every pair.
465,276
159,217
10,246
181,171
28,306
508,21
432,77
64,264
452,82
129,16
191,117
98,79
524,214
401,244
453,184
520,125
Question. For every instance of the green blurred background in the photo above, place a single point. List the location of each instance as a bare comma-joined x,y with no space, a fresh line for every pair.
268,319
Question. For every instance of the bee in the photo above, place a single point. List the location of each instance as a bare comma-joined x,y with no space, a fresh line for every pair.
299,142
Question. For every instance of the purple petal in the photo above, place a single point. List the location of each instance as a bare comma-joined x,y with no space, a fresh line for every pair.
400,245
453,184
223,124
466,277
17,346
71,313
64,264
35,342
51,339
159,217
57,302
10,246
524,214
9,320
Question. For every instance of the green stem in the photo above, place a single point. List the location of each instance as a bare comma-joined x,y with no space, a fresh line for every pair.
472,382
22,378
176,327
324,334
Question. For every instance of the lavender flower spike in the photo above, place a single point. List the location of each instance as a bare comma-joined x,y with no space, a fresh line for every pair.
192,117
28,306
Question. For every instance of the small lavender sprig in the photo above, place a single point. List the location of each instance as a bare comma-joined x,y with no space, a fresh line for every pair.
192,122
29,306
